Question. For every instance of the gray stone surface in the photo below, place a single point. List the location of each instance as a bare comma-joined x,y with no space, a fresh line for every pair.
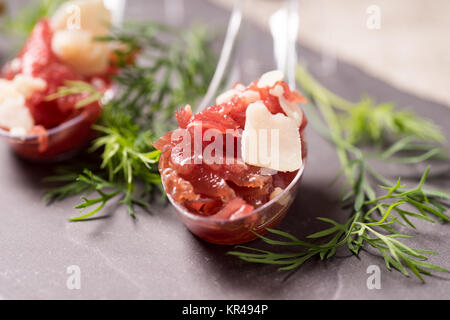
155,257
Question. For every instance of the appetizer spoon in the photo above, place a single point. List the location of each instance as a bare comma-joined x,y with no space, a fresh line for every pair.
283,25
67,139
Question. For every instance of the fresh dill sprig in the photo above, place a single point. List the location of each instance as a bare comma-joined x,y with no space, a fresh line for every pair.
374,219
106,191
71,186
174,68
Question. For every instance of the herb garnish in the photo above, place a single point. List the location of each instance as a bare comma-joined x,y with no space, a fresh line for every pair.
77,87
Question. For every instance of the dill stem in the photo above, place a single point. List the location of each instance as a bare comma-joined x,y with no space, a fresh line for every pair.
325,100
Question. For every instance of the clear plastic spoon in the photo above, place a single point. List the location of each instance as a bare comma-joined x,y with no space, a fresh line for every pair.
234,64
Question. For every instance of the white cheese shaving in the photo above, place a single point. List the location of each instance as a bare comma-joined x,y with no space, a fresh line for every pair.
15,65
27,85
18,132
277,91
249,96
226,96
270,140
292,110
269,79
14,113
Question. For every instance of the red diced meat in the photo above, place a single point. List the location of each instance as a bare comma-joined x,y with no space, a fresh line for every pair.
220,189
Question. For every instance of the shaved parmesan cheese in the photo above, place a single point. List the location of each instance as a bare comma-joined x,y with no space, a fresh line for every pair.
188,108
277,91
13,94
21,86
270,140
8,90
226,96
267,172
269,79
87,15
75,25
27,85
77,49
14,113
18,132
250,96
292,110
15,65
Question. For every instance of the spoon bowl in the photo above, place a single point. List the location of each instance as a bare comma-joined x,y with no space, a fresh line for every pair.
245,228
58,143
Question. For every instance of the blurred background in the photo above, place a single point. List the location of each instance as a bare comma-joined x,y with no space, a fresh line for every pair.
404,42
409,49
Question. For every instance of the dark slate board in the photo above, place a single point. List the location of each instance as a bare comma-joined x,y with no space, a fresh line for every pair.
156,257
